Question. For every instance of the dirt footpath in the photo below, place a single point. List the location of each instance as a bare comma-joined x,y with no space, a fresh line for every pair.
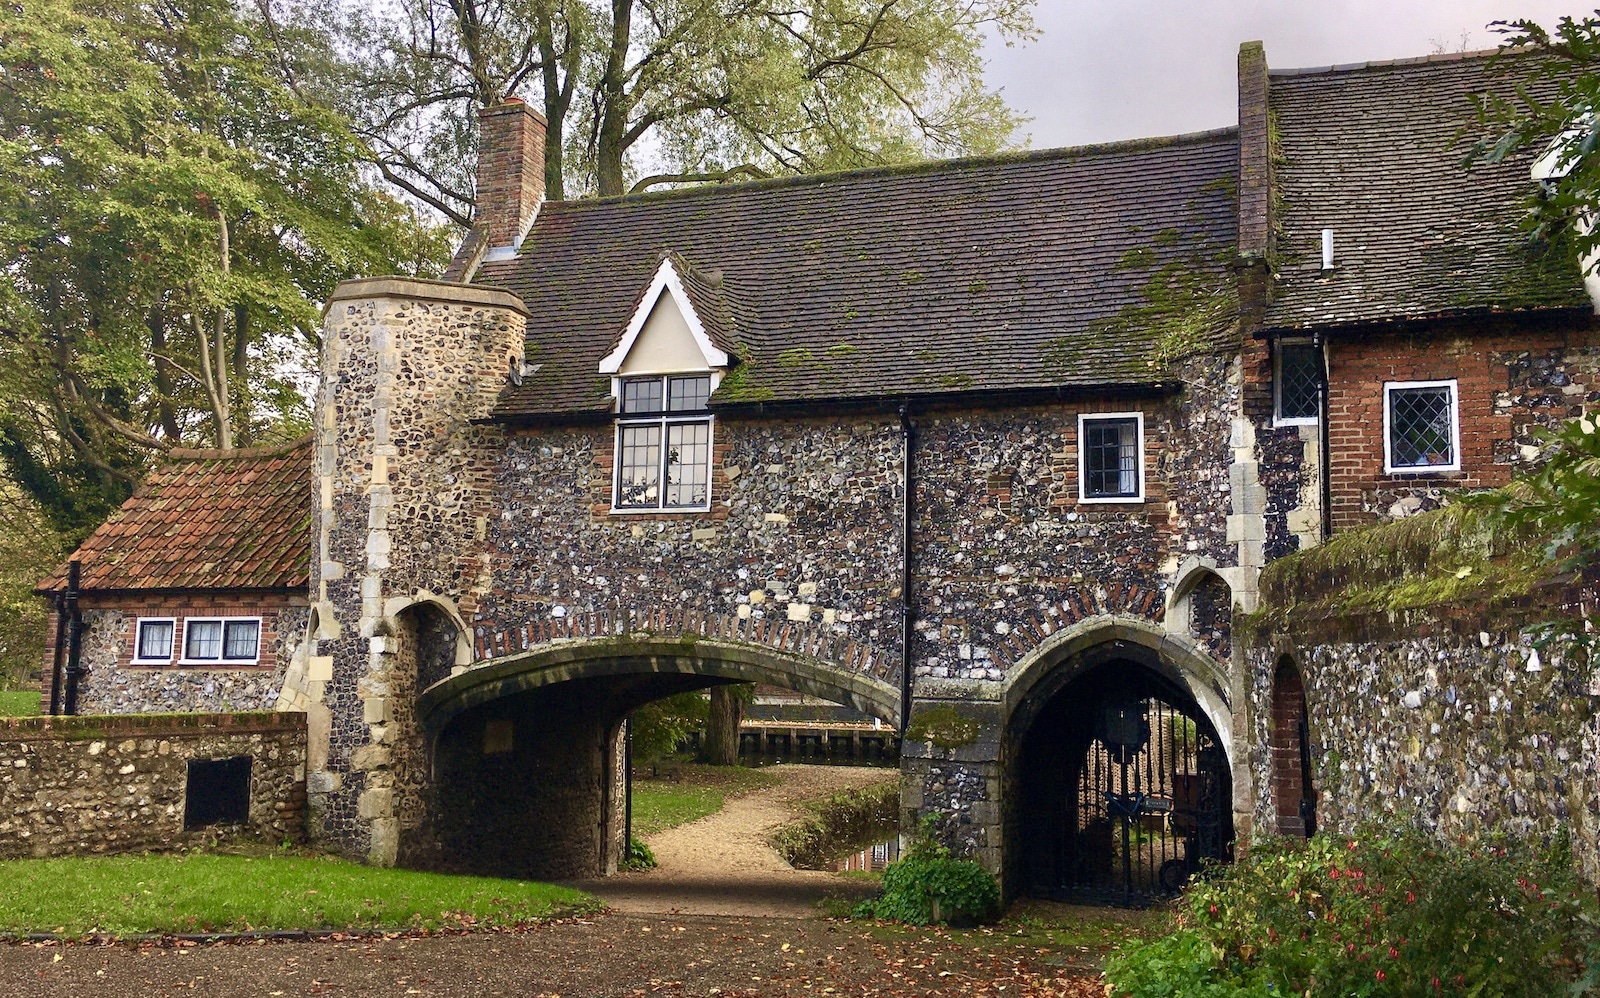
600,957
722,864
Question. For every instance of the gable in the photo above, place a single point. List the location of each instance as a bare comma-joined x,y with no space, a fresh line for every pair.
665,343
666,286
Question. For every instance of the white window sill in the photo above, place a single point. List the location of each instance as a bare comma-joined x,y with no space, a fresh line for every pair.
1111,500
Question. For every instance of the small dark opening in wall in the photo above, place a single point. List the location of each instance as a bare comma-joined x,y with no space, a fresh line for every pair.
218,792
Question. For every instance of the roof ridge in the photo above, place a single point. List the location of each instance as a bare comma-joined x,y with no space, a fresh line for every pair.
1420,60
910,169
220,454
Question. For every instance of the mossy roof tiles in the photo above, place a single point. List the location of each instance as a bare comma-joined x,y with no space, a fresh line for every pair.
207,520
1375,152
971,275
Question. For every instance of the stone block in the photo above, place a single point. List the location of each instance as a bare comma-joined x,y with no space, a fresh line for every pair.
369,757
319,668
375,710
375,802
799,611
1245,527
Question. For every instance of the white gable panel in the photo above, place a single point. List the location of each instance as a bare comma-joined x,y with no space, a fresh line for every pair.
665,343
664,286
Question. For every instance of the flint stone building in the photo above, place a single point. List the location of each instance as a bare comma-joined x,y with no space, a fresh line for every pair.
994,448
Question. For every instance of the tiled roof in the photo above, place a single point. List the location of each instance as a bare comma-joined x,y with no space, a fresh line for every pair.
207,520
1374,151
1069,268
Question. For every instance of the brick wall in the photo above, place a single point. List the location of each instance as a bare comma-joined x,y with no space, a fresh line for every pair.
1509,380
1283,733
99,784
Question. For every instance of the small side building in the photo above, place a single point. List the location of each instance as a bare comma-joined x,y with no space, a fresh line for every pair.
193,595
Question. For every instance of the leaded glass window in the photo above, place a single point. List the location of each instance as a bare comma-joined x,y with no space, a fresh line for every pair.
1110,457
664,443
1420,420
1298,383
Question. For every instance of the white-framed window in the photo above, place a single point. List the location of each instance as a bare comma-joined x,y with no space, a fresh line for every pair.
1111,457
663,446
1296,383
230,640
152,640
1421,426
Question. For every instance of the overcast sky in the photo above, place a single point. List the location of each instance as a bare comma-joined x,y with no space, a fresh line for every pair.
1117,69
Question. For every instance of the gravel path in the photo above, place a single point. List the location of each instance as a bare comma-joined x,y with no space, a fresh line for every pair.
722,865
600,957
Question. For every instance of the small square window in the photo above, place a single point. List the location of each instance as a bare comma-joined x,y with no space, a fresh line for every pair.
1111,457
1297,384
154,640
1421,428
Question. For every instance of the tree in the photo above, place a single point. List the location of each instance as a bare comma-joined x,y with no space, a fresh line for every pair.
659,727
1554,110
715,89
725,713
176,204
1550,109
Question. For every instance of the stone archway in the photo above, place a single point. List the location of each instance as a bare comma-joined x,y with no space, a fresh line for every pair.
1119,764
525,769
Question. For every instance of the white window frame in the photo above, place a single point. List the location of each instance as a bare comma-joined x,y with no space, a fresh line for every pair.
138,641
220,659
1389,387
1277,383
1083,478
663,419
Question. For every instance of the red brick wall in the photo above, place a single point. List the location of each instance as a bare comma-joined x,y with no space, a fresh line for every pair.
1508,379
1288,784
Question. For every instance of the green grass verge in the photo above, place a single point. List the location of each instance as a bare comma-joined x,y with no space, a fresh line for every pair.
210,893
659,804
19,703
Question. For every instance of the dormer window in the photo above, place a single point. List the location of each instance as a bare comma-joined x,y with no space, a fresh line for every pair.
664,368
664,444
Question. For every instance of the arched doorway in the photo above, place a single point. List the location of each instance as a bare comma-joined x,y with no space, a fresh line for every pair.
1294,798
1123,786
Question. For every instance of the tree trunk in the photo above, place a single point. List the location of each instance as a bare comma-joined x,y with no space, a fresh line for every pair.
722,726
611,137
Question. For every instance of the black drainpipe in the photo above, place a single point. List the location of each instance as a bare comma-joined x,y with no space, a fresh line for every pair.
61,651
74,637
908,511
1322,437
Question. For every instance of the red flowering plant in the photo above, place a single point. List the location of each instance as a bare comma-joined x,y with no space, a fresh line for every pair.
1369,915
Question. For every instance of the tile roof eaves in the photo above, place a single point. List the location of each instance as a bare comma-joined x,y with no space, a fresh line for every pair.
1390,319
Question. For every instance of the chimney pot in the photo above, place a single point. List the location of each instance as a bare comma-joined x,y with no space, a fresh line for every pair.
510,174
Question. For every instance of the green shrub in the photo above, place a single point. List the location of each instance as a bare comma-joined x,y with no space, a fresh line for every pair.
639,857
928,886
1373,916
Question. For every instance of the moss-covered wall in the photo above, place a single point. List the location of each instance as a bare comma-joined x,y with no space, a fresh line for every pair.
1430,701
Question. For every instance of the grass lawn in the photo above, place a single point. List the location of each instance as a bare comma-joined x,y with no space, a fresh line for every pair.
203,893
698,790
18,703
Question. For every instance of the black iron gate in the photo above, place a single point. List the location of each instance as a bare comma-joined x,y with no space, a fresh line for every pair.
1148,797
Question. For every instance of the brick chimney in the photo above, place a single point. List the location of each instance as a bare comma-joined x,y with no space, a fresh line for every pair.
510,174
